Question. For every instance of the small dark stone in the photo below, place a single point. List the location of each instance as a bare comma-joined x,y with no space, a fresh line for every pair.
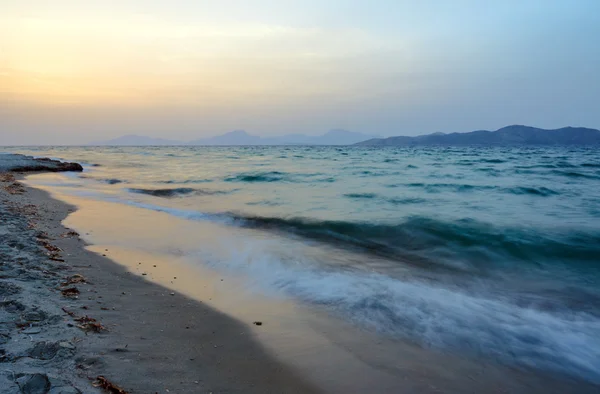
34,316
8,289
44,350
34,384
12,306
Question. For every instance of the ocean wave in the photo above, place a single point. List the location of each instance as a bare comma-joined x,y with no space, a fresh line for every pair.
271,176
361,195
540,166
278,176
456,187
427,243
419,236
112,181
185,182
540,191
476,322
393,200
574,174
406,200
369,173
175,192
269,203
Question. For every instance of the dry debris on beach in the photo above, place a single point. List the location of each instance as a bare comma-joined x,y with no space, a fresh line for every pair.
107,385
35,344
38,344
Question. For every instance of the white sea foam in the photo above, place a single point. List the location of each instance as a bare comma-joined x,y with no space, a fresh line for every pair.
562,340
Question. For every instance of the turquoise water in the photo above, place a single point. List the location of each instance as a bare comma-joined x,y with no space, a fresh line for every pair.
490,251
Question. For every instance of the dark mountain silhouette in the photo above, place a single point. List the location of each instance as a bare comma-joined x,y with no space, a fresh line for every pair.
138,140
510,135
240,137
237,137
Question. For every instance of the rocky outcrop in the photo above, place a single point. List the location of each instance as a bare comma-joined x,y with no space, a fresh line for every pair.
21,163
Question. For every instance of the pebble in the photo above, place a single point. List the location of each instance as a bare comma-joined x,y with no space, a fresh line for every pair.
34,383
32,330
33,316
66,345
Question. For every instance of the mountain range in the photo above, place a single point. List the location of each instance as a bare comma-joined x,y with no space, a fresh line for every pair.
240,137
510,135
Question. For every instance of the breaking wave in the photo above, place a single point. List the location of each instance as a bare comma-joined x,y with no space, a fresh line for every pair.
176,192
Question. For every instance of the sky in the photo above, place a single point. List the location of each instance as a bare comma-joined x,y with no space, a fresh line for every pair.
75,71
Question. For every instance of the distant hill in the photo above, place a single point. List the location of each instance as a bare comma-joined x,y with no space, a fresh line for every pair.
138,140
240,137
237,137
510,135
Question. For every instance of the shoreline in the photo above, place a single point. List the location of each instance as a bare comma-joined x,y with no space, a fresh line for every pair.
156,340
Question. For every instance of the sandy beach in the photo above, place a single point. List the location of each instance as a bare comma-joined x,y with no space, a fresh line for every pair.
78,315
147,338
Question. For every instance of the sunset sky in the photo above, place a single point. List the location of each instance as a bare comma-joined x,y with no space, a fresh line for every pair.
74,71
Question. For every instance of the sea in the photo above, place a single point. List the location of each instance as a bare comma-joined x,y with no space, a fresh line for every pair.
486,251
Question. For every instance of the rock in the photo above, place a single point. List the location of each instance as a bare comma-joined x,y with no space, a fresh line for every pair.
8,289
34,316
4,337
8,384
64,390
60,386
12,306
66,345
44,350
32,330
34,384
29,164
